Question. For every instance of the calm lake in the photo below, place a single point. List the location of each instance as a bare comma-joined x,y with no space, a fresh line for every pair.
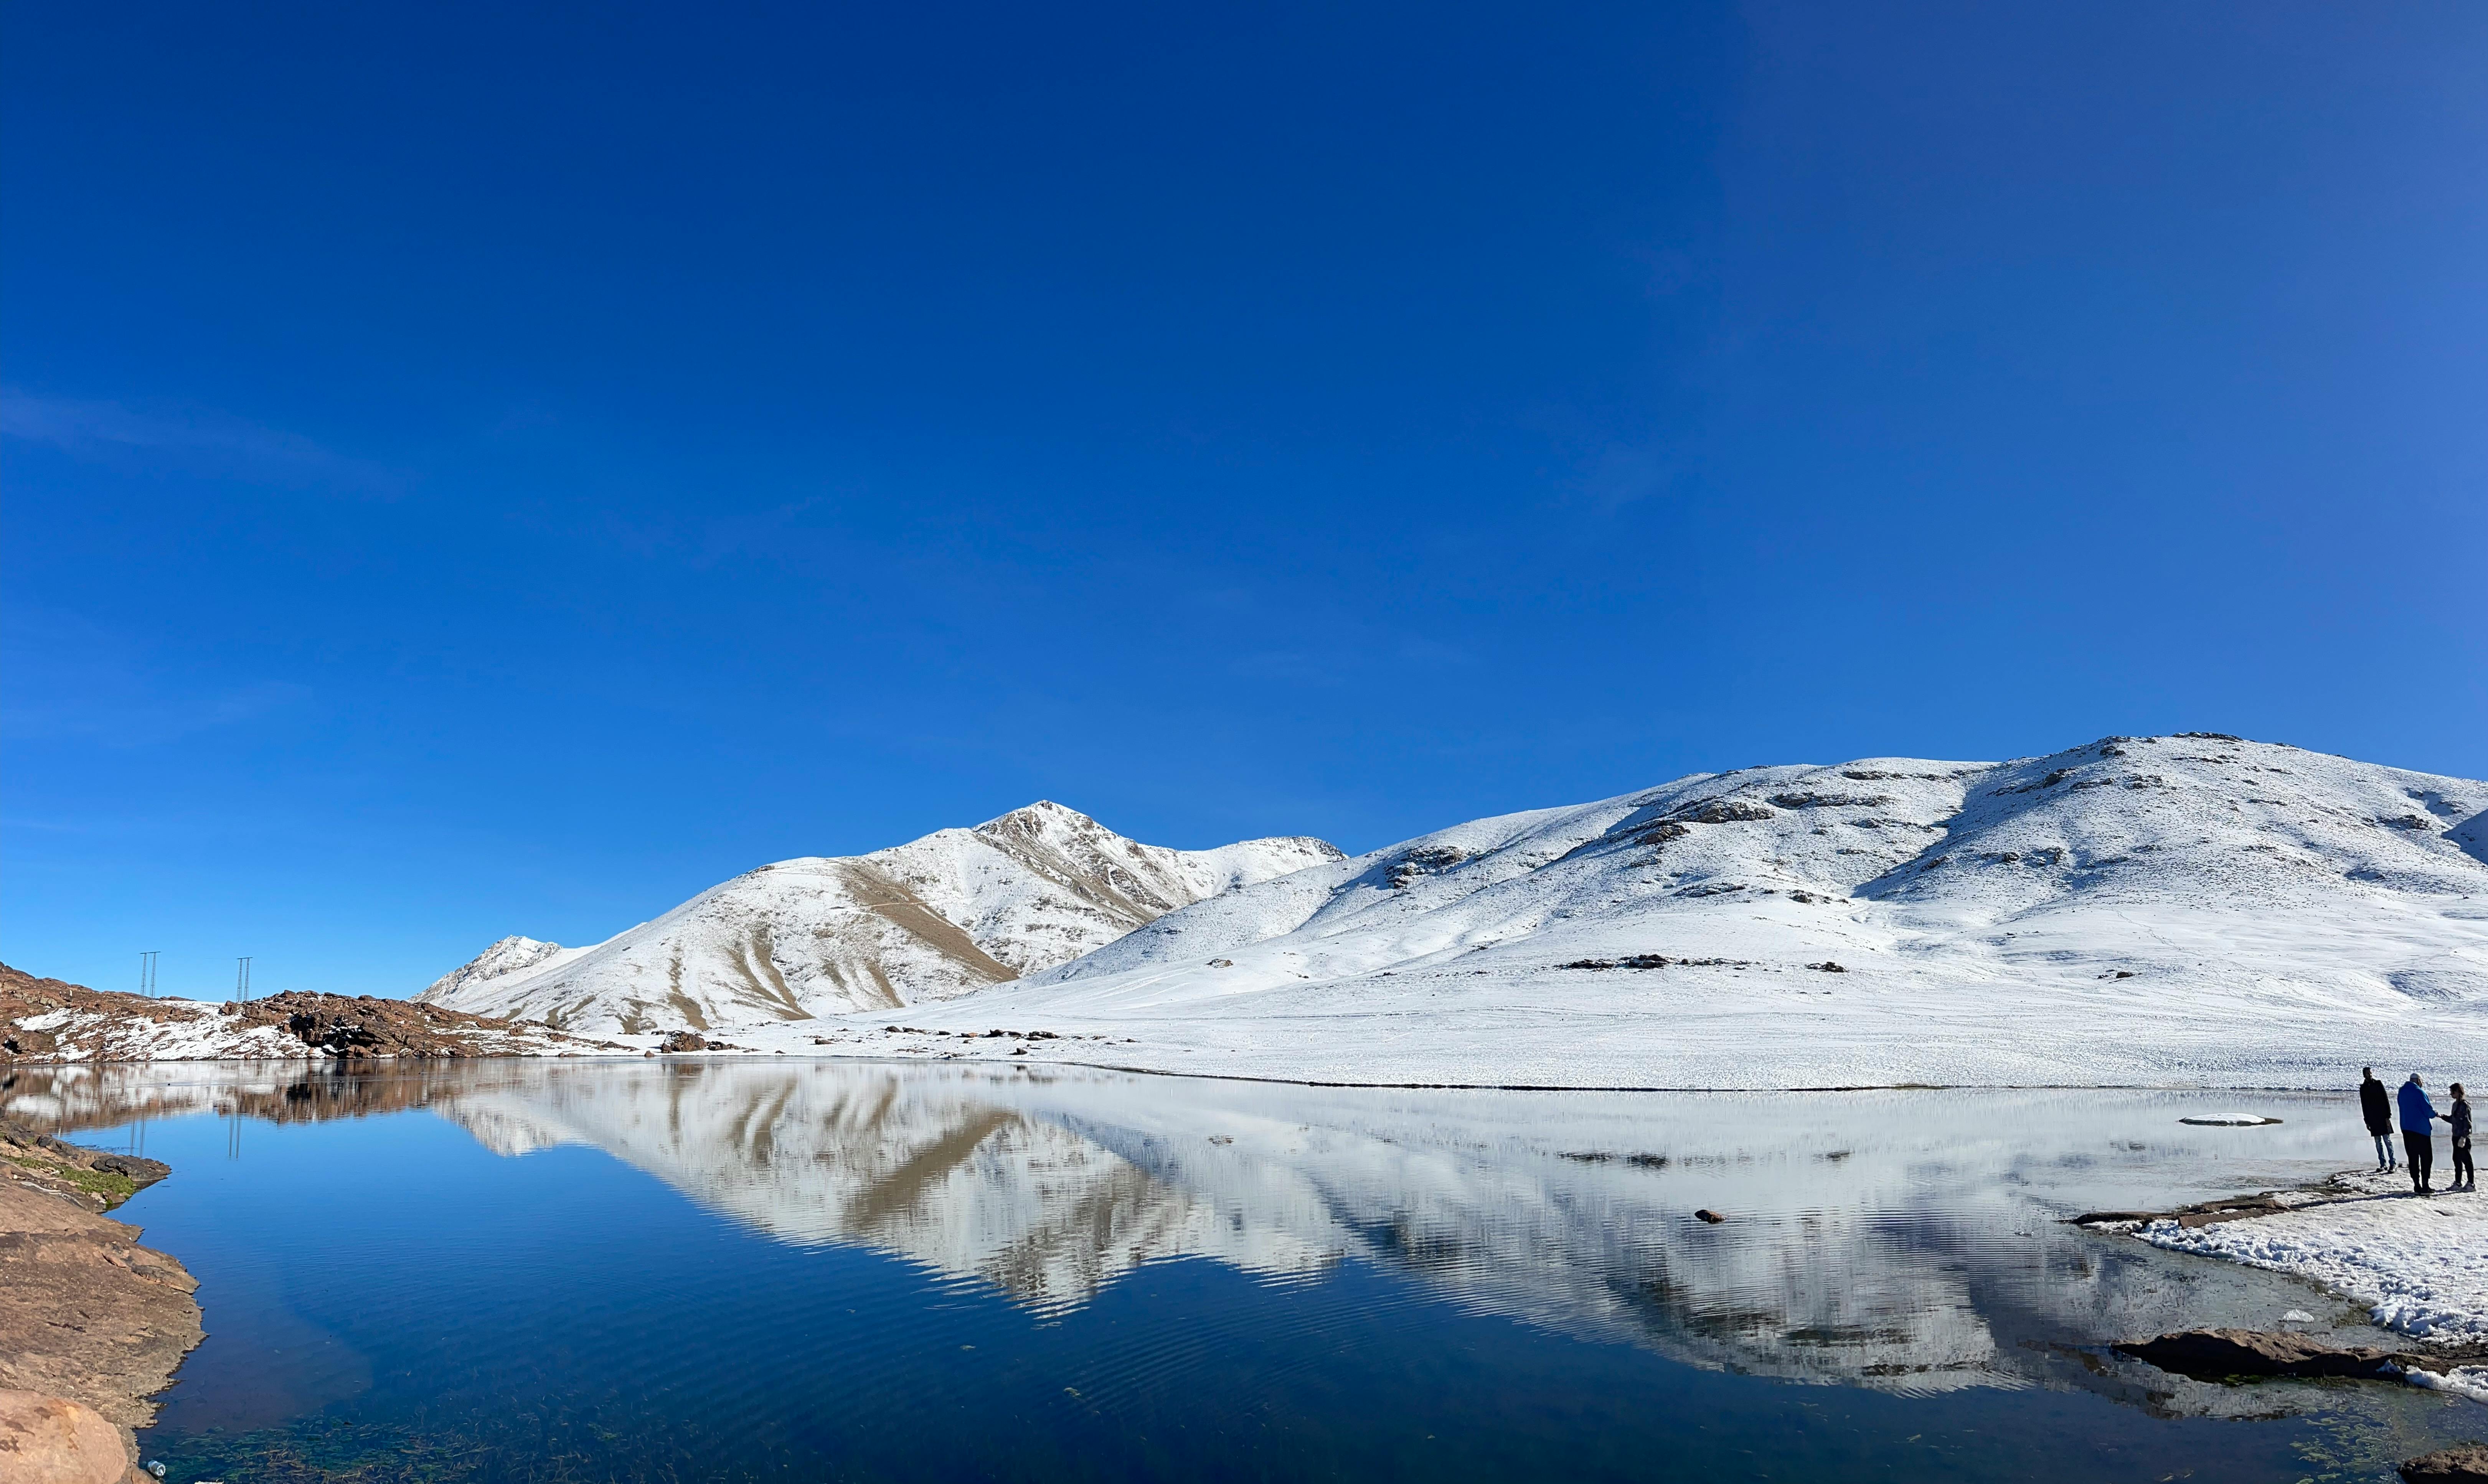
725,1270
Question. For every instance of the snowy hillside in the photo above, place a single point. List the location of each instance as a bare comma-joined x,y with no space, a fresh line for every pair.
2171,908
956,911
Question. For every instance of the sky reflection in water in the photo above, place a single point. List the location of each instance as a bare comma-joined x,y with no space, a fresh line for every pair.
834,1270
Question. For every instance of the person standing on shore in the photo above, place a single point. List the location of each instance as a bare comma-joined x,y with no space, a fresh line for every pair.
2418,1114
2465,1178
2378,1105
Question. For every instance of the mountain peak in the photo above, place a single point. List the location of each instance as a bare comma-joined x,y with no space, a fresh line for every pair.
947,915
1043,814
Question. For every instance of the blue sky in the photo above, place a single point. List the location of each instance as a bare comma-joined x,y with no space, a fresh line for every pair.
489,468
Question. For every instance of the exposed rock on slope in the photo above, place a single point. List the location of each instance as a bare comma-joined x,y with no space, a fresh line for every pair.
2155,909
54,1021
359,1026
954,911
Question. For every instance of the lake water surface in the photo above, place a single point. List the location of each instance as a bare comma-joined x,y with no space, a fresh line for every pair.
722,1269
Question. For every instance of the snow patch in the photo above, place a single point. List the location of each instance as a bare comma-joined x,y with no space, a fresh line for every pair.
2419,1264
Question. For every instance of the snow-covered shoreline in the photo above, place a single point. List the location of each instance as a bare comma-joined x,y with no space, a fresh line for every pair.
1757,1063
2419,1264
1671,1036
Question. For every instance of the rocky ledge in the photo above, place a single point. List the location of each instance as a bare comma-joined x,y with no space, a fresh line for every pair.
364,1026
2466,1464
2242,1354
2209,1212
2223,1355
91,1323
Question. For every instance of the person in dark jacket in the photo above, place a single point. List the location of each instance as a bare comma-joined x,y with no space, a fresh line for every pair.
2465,1178
2378,1105
2418,1114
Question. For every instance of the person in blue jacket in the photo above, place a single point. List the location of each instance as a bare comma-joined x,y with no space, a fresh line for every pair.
2416,1114
2465,1178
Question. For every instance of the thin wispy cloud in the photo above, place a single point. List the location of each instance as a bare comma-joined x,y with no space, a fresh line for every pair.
197,440
72,679
126,713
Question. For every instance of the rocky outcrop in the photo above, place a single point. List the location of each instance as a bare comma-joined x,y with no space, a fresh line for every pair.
47,1440
50,1004
693,1041
90,1178
2462,1464
87,1315
364,1026
46,1021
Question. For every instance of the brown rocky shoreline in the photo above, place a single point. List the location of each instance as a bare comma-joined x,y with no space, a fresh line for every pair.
91,1323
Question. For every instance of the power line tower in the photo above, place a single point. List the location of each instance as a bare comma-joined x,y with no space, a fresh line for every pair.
241,978
147,973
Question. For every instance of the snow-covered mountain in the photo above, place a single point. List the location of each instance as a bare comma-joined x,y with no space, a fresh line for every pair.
2138,909
956,911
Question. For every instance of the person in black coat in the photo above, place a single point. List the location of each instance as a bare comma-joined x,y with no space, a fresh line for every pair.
2378,1105
2465,1178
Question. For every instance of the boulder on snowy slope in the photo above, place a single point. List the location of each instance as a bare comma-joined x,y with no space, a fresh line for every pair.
954,911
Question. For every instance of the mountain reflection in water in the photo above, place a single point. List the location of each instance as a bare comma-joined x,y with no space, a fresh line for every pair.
1903,1240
